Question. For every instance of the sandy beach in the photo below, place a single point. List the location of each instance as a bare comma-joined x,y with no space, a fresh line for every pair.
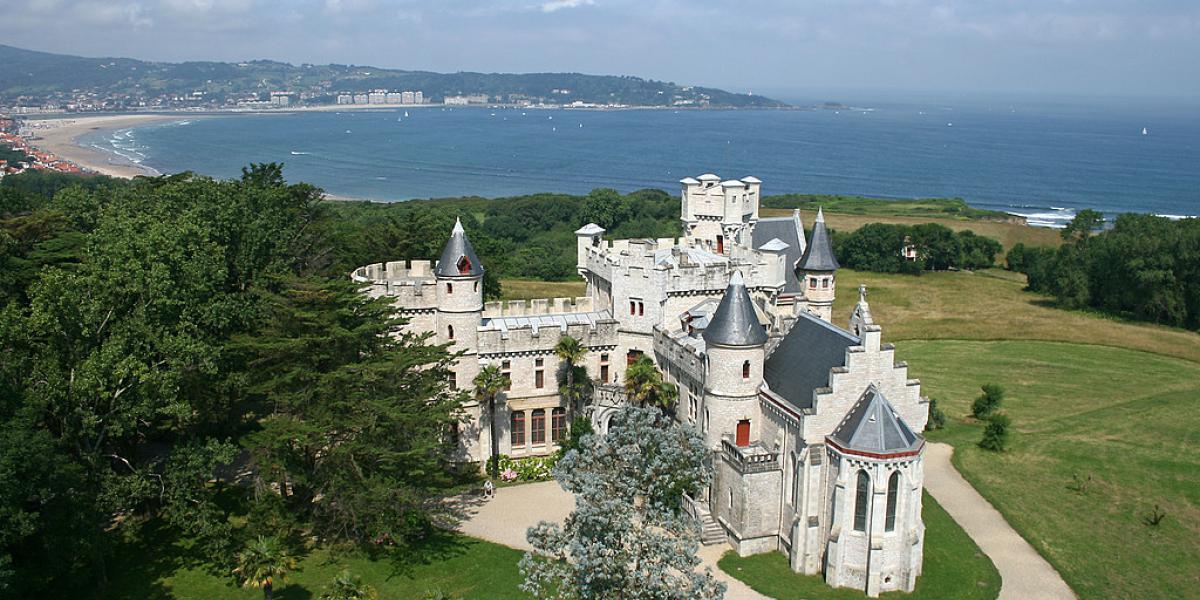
60,135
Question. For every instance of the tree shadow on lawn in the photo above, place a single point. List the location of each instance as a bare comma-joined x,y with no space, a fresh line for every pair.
440,546
146,555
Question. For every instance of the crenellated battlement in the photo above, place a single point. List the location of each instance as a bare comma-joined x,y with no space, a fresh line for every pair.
411,283
543,338
538,306
394,271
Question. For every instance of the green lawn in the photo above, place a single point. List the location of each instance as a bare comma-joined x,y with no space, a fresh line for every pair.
459,566
954,568
525,289
1128,420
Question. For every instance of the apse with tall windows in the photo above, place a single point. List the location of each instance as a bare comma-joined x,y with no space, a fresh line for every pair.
876,531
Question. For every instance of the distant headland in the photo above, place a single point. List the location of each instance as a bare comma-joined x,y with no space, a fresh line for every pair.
32,81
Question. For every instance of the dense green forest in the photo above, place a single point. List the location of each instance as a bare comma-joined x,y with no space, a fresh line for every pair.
1145,267
42,74
878,247
188,354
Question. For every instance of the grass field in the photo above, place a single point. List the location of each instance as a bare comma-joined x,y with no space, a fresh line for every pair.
954,568
524,289
1125,423
1006,233
992,305
458,566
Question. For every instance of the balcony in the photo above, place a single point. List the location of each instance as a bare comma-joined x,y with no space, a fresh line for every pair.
749,459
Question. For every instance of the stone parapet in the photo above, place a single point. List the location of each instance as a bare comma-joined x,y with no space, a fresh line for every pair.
539,306
543,339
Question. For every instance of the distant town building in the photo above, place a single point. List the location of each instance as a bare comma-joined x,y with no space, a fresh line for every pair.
360,98
345,99
419,97
280,99
455,101
408,97
377,97
395,97
462,100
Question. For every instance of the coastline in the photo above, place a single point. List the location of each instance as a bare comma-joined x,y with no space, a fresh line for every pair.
61,136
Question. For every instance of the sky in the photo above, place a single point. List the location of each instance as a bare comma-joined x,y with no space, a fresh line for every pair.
775,47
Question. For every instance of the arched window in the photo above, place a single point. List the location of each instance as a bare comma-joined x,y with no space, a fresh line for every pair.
862,496
538,426
518,428
449,332
796,480
889,523
746,370
558,424
476,286
464,266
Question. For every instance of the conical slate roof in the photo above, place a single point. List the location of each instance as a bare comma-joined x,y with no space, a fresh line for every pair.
458,248
873,426
735,323
818,256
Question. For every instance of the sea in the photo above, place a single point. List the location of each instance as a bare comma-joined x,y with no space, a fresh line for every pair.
1042,161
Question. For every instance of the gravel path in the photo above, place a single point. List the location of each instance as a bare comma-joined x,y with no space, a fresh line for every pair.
1024,574
504,519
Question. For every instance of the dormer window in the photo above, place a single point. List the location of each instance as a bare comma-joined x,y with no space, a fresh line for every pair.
464,266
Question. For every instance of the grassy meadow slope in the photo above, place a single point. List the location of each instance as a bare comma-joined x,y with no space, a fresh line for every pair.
1089,396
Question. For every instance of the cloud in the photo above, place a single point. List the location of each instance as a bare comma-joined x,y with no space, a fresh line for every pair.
556,5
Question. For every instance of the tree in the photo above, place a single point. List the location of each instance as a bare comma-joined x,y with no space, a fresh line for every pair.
937,418
580,426
988,402
358,414
263,562
995,434
644,385
570,352
1085,222
348,587
488,384
628,531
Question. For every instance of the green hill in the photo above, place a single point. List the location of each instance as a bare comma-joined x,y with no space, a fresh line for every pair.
41,76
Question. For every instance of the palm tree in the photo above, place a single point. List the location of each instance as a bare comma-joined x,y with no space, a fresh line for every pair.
263,562
488,383
644,385
348,587
571,352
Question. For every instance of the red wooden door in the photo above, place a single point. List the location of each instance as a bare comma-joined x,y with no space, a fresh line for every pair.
743,433
720,244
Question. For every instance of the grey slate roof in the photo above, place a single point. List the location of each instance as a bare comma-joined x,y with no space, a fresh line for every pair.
803,358
456,248
873,426
735,323
819,254
790,231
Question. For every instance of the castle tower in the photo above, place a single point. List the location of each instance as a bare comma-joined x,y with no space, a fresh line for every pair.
719,215
817,272
459,277
734,350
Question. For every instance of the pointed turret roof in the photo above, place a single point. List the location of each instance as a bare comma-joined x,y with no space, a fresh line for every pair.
872,426
818,256
458,248
735,323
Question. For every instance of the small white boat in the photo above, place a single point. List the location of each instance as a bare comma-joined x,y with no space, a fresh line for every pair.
406,113
1144,132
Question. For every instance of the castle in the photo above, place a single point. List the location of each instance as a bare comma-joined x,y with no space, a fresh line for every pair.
813,427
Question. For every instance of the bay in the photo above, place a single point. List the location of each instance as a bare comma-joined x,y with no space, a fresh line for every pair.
1042,162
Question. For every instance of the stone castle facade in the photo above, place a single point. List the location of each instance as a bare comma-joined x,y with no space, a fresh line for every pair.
812,426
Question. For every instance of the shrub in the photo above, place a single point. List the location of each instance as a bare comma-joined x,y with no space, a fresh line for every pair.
937,418
533,468
995,435
988,402
1155,517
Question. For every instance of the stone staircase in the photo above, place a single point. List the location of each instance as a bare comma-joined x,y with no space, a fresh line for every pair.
711,531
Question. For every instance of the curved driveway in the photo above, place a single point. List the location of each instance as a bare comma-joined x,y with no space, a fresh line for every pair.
1025,575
